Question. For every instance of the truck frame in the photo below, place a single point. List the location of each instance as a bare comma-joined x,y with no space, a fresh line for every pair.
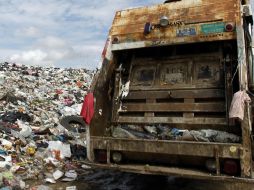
176,64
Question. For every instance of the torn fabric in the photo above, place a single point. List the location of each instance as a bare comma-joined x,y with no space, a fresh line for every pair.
87,111
237,104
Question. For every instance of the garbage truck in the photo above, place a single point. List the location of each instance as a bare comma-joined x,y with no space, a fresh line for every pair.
173,95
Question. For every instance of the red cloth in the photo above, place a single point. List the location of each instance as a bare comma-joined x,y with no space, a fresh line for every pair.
88,108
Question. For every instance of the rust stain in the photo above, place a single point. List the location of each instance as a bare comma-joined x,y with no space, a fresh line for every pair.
131,22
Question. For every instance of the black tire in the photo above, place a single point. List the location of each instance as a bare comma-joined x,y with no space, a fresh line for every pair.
68,121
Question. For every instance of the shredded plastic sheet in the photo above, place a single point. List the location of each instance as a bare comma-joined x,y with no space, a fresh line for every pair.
65,150
26,130
125,89
237,104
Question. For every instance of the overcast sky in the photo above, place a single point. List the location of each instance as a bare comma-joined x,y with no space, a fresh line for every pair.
61,33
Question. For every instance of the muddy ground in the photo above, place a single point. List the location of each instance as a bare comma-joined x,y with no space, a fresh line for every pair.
109,180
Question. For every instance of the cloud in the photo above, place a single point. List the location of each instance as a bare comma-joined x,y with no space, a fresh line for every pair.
62,33
46,51
28,32
30,57
55,51
52,42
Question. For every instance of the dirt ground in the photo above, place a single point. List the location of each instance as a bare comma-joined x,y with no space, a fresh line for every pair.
109,180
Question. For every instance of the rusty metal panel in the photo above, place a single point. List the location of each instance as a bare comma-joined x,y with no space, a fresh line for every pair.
173,74
230,182
138,40
173,103
175,120
167,147
169,94
190,72
186,20
173,107
143,75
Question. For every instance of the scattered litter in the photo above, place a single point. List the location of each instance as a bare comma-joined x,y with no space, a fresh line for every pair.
151,129
50,180
58,174
42,187
33,143
71,188
5,161
26,131
84,166
71,174
164,132
66,179
58,146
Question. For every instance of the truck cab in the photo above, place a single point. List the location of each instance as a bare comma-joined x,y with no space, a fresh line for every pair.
164,93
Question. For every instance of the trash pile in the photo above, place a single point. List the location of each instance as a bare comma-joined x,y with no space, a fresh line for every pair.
164,132
41,133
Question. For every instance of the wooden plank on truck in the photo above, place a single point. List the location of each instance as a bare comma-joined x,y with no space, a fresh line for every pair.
191,93
173,107
176,120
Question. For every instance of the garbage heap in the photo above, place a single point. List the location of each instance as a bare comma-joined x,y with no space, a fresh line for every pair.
165,132
33,143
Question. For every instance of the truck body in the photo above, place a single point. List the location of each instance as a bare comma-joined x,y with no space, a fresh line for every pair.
170,72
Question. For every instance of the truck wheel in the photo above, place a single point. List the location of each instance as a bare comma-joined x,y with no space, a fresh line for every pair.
73,123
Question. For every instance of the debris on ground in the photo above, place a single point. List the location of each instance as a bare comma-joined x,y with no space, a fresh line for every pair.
42,136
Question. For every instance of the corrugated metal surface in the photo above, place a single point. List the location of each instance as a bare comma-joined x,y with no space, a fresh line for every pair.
128,25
